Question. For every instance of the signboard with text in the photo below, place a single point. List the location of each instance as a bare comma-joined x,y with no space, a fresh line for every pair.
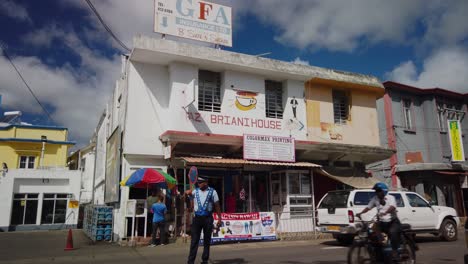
245,226
456,141
194,19
269,148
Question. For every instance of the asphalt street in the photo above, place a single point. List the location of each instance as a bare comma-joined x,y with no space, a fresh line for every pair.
47,247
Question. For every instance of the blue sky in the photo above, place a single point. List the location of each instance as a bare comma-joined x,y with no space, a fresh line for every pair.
72,63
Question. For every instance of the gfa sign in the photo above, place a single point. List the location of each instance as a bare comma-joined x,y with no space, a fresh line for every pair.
194,19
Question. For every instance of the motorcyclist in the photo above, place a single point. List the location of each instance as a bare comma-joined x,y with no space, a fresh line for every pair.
386,210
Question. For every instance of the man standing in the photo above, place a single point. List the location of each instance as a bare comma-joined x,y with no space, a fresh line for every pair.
152,199
203,200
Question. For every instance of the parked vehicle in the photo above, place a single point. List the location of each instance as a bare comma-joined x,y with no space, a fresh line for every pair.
336,211
372,246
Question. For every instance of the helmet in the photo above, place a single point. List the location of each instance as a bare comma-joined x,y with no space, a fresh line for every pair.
381,186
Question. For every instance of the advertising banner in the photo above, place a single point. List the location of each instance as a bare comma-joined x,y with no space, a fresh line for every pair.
456,142
198,20
111,193
269,148
246,226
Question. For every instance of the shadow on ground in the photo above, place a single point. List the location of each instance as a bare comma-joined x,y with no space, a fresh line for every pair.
230,261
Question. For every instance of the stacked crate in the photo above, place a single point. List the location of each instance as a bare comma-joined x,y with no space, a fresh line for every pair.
98,222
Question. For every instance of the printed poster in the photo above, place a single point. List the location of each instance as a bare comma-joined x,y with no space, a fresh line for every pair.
244,227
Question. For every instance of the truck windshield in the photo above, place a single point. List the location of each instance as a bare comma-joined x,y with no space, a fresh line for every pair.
335,200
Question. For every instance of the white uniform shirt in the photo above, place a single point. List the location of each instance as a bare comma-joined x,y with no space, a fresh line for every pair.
203,196
389,201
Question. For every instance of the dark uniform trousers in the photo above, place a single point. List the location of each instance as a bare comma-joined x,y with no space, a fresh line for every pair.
199,224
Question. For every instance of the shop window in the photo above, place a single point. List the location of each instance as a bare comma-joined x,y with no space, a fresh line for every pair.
24,210
54,208
27,162
300,198
209,91
340,107
274,99
408,115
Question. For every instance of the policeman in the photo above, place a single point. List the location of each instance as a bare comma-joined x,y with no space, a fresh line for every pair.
203,200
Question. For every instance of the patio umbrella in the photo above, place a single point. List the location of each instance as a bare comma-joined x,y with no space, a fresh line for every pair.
146,177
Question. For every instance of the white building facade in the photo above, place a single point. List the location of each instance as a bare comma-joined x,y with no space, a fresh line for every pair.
39,199
178,105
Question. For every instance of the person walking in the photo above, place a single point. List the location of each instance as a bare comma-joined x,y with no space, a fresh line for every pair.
203,200
159,222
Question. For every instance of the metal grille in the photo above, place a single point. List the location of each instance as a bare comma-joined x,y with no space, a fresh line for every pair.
209,91
274,99
340,107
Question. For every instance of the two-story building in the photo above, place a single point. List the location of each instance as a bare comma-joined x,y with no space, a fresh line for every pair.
37,191
272,134
414,122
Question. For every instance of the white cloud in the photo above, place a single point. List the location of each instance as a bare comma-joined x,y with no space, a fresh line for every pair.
338,25
300,61
447,68
76,95
14,10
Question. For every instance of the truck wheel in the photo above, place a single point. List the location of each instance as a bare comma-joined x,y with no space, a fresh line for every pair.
448,230
345,239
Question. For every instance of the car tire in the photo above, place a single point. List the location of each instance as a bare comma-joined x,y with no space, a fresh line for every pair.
345,239
448,230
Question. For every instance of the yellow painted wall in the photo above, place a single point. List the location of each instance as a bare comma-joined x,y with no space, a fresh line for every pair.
55,155
362,126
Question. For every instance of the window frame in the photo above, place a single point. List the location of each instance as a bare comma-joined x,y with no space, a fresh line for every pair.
209,88
27,162
55,198
411,127
338,94
274,99
25,197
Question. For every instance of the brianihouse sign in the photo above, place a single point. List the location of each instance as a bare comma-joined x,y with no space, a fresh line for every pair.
194,19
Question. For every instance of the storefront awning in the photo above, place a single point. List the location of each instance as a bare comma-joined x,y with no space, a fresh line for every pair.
455,173
222,161
353,181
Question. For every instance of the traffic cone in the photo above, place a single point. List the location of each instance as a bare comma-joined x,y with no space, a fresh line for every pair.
69,245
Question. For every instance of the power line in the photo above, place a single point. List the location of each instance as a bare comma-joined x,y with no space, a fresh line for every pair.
91,6
25,83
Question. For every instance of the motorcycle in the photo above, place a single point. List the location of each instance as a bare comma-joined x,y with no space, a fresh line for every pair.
373,246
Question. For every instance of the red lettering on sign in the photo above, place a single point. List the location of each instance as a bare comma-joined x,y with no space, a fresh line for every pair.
213,119
198,117
204,11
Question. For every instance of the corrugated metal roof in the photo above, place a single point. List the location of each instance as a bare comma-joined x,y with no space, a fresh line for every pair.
356,182
248,162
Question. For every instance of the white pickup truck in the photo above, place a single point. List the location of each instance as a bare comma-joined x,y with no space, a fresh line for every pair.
336,211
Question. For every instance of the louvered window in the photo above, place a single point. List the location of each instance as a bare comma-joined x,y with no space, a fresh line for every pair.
340,107
209,91
274,99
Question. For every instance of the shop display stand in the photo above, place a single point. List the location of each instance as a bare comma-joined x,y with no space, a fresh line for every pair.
98,222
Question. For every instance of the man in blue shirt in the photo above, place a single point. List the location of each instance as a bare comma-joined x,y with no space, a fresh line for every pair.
159,210
204,200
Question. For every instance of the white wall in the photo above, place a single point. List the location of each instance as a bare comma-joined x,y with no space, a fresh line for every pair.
100,169
158,94
87,177
30,181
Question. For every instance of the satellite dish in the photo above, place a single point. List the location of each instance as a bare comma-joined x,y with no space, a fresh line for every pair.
193,175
